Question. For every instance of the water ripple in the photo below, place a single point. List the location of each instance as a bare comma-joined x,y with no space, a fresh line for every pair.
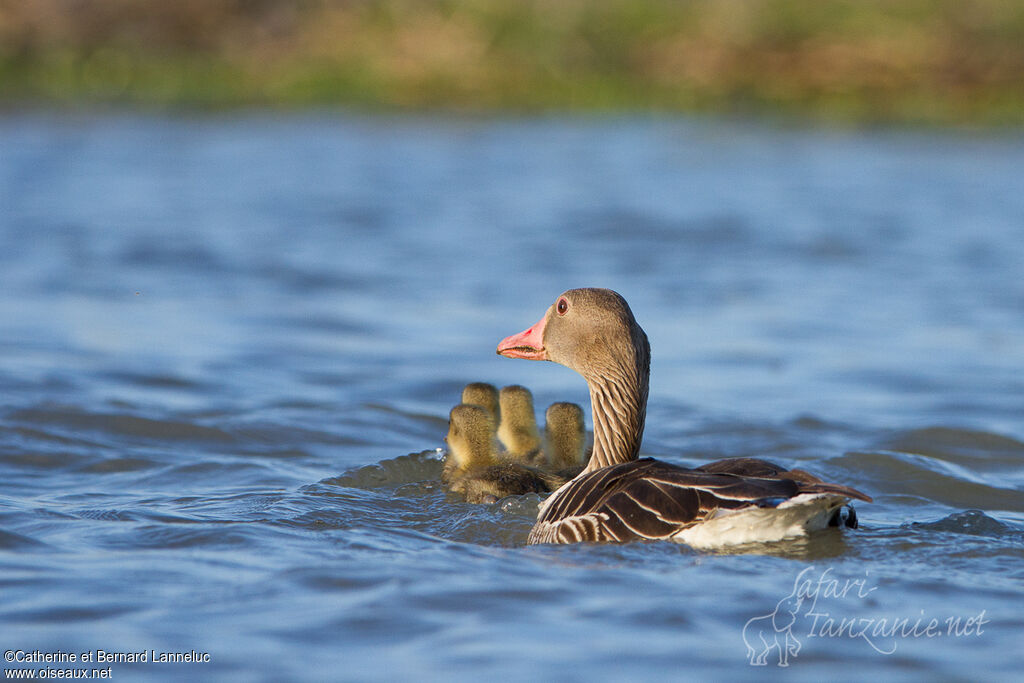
119,424
934,480
974,523
12,541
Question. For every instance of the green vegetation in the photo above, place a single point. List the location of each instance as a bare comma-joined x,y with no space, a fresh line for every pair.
913,61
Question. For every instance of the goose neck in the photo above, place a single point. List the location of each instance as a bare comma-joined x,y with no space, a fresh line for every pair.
618,400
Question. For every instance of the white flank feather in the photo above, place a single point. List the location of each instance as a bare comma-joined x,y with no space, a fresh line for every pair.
790,519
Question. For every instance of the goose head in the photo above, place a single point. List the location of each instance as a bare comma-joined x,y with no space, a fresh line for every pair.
593,332
587,330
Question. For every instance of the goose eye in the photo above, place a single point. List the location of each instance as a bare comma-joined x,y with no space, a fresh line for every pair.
562,306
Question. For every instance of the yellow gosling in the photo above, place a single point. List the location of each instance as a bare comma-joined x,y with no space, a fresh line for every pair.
518,431
484,395
565,438
472,467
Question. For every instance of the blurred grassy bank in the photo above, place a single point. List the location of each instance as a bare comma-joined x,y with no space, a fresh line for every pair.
911,61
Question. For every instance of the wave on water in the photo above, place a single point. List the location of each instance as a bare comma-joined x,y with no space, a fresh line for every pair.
983,450
973,523
78,420
955,468
405,469
406,493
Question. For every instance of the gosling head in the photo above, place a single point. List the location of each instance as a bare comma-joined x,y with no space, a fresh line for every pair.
484,395
470,440
518,429
565,435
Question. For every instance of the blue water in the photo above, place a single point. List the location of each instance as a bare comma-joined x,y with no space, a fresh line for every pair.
229,345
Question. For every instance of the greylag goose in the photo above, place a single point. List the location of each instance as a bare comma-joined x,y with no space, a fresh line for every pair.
517,429
472,467
564,438
620,497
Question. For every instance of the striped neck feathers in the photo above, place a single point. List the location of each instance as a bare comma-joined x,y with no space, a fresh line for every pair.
618,399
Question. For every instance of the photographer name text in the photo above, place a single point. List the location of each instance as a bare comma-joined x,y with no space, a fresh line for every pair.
105,657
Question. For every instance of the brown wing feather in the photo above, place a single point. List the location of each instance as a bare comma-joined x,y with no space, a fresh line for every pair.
753,467
743,467
649,499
